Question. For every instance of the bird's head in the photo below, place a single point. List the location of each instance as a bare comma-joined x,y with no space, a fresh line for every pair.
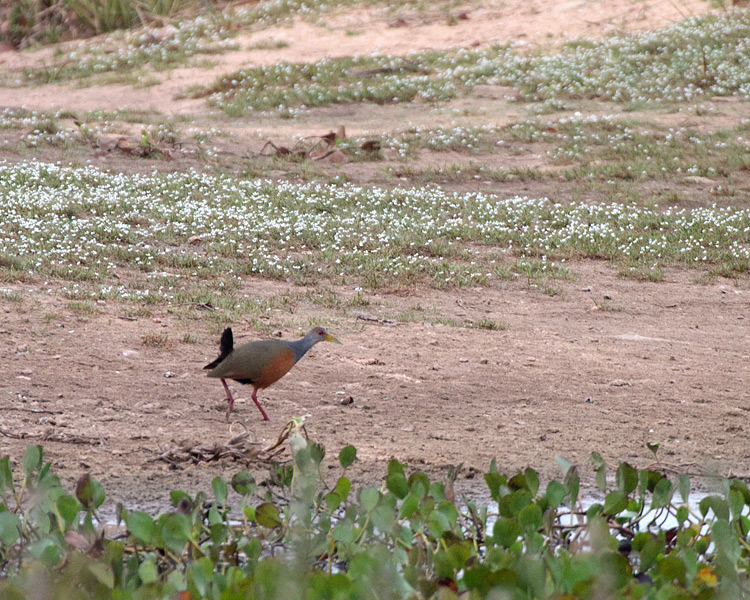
319,334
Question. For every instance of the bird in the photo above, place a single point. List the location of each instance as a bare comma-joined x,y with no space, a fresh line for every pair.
260,363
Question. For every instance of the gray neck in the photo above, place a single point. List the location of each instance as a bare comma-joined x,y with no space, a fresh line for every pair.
300,347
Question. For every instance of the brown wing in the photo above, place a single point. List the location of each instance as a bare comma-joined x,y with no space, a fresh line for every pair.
260,363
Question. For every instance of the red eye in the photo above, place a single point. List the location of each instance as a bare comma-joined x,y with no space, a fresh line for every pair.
321,333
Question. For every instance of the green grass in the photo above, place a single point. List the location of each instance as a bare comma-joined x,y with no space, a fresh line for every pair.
696,58
80,225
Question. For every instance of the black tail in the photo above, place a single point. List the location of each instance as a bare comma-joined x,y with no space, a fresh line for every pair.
225,348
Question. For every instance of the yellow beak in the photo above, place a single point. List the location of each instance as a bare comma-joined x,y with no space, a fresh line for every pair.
330,338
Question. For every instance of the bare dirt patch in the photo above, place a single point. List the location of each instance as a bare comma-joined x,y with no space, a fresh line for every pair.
573,373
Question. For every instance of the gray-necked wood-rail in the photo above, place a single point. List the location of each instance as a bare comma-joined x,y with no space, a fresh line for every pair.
261,363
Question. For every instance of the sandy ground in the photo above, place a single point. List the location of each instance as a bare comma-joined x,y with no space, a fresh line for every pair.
605,365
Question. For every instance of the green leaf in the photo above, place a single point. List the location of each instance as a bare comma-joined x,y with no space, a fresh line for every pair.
147,571
572,482
333,500
343,532
243,483
601,471
343,486
684,488
532,480
369,498
6,475
626,478
141,525
505,532
615,503
419,479
32,459
317,453
450,511
672,568
395,467
220,490
649,553
494,480
654,448
564,464
347,456
555,493
267,515
68,507
408,507
662,494
85,490
176,532
10,528
46,551
530,517
717,504
103,573
397,484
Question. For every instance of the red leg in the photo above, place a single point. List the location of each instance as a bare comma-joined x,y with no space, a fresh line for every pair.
260,408
229,398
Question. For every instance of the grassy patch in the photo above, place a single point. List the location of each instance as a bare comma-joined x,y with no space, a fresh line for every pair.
699,57
81,225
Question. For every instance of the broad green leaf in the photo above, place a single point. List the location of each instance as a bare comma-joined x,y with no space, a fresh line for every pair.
717,504
672,568
46,551
450,511
662,494
572,482
505,532
343,532
369,498
397,484
347,456
408,506
615,503
333,500
176,532
85,491
600,478
343,486
530,517
564,464
532,480
649,553
684,488
555,493
103,572
317,453
10,528
221,490
626,478
68,507
395,467
267,515
6,475
419,479
32,459
243,483
141,525
494,480
147,571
